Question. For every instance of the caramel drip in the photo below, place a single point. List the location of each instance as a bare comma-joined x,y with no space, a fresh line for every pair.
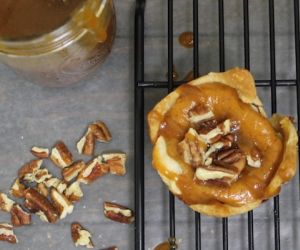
186,39
255,131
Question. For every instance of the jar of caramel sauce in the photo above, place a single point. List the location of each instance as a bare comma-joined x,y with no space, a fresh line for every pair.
56,42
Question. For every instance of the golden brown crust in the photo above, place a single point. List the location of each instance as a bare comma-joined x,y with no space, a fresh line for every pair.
243,82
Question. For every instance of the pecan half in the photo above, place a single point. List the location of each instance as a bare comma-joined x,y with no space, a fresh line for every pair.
74,192
40,152
116,163
60,155
7,234
17,189
29,168
93,170
61,203
6,203
100,131
71,172
118,213
86,144
19,217
80,236
42,203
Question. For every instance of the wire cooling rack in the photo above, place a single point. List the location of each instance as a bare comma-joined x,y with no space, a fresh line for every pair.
141,86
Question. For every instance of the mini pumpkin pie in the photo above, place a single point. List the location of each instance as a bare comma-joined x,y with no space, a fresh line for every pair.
215,148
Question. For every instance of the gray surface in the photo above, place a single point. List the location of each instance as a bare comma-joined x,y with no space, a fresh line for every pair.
33,115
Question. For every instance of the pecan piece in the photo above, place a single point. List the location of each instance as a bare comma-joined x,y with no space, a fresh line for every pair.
19,217
38,176
100,131
74,192
61,203
86,144
229,156
93,170
6,203
254,159
31,207
56,183
118,213
80,236
42,203
71,172
42,189
17,189
40,152
29,168
200,114
7,234
116,163
60,155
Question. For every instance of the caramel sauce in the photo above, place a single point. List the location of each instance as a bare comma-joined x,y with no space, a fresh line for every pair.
186,39
163,246
255,131
30,18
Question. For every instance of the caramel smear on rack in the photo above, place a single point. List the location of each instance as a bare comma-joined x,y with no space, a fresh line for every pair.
21,19
174,74
163,246
186,39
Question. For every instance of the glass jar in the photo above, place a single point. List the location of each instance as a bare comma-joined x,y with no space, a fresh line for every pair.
68,53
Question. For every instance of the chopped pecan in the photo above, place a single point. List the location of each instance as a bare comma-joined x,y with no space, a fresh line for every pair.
118,213
6,203
42,189
206,126
42,216
61,203
42,203
71,172
40,152
56,183
80,236
38,176
216,173
116,163
7,234
32,207
200,114
60,155
29,168
74,192
17,189
254,159
93,170
19,217
192,148
86,144
100,131
228,156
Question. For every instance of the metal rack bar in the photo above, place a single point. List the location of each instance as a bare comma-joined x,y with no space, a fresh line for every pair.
196,74
297,52
139,127
172,238
247,66
274,109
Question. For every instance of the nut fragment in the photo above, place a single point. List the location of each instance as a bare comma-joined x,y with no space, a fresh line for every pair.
6,203
7,234
116,163
100,131
38,176
56,183
61,203
229,156
80,236
86,144
200,114
40,152
118,213
215,173
74,192
42,203
17,189
93,170
19,217
29,168
32,207
60,155
71,172
42,216
254,158
42,189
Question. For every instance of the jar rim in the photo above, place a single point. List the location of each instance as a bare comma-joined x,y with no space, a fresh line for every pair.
53,40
